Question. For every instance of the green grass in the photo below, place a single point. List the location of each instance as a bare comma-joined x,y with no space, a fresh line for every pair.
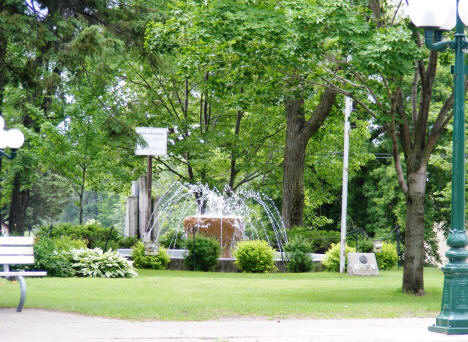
177,295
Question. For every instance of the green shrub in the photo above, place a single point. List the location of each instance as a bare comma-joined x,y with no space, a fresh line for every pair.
95,234
203,253
388,257
364,246
54,255
297,251
99,264
173,239
320,240
331,261
128,242
254,256
155,262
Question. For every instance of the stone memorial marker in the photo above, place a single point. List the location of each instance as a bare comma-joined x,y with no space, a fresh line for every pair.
362,264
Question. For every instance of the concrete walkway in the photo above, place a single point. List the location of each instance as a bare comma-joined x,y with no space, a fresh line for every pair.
41,326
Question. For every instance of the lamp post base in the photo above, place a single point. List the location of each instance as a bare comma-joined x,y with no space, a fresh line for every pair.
453,319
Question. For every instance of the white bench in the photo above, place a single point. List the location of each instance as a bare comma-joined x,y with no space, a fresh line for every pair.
18,250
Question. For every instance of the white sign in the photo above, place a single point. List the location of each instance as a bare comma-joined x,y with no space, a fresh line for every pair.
156,140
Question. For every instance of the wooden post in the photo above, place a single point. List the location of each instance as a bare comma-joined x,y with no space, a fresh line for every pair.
142,206
149,183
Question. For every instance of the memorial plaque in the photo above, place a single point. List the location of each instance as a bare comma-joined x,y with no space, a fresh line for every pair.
362,264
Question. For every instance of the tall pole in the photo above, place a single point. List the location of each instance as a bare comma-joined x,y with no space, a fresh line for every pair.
149,184
453,318
344,197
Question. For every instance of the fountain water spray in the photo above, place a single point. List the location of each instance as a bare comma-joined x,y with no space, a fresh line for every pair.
241,215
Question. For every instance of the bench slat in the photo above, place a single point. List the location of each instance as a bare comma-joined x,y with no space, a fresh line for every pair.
16,259
16,240
16,251
25,274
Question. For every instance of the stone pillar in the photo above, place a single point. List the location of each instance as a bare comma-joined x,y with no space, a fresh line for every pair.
131,217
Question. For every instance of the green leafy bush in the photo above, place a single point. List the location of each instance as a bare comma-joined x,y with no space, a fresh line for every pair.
99,264
254,256
203,253
297,250
388,257
54,255
95,234
320,240
331,261
128,242
155,262
364,246
173,239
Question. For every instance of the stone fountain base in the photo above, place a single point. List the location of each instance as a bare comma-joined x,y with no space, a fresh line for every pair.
225,229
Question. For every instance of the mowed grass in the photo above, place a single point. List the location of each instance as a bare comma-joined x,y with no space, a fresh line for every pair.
177,295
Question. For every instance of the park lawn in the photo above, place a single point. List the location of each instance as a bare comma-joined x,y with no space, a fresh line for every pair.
180,295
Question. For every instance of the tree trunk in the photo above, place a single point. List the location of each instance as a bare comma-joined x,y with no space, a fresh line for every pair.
81,196
293,165
298,133
413,280
18,204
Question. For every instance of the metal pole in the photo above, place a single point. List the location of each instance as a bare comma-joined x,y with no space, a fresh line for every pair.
344,200
453,318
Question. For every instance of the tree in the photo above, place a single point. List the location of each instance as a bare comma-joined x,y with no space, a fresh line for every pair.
402,105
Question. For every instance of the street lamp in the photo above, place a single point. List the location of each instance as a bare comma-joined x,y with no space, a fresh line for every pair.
12,139
437,16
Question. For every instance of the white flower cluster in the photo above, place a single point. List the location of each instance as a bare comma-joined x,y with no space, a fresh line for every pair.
12,138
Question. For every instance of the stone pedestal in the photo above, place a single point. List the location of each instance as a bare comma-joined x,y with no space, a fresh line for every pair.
362,264
225,229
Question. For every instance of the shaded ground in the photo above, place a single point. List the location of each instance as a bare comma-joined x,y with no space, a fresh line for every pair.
40,326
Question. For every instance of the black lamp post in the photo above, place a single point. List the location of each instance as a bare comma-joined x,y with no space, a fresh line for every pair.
12,139
437,17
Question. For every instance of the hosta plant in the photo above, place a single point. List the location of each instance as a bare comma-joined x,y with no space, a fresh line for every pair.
99,264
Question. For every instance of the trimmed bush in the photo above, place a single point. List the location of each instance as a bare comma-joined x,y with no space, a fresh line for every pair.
203,253
155,262
54,255
95,234
98,264
388,258
320,240
254,256
297,251
128,242
331,262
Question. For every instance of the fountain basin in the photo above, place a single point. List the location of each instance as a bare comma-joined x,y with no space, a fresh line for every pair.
225,229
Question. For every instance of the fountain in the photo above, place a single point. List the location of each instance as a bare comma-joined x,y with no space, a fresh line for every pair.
227,229
225,216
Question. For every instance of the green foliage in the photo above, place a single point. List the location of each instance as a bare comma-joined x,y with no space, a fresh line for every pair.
98,264
297,250
203,253
173,239
388,257
320,240
254,256
54,255
364,246
128,242
331,262
155,262
95,234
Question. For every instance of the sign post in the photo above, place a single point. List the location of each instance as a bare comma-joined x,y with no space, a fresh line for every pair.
155,144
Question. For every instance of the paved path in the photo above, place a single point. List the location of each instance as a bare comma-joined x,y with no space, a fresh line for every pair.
41,326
